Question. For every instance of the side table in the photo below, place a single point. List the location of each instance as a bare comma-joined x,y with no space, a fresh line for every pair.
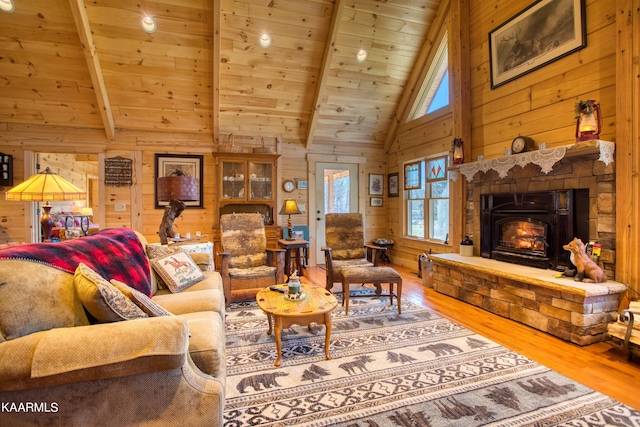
295,246
283,313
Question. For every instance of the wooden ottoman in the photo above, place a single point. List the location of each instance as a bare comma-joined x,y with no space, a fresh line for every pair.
374,275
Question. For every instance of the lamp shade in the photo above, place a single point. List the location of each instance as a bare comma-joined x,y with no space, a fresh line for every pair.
290,207
178,187
45,186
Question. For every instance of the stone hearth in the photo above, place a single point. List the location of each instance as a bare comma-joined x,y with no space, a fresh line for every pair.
573,311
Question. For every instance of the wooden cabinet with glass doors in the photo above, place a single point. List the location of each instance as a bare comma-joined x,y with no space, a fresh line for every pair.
247,184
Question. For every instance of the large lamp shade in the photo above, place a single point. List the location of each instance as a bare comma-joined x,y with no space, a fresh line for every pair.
46,187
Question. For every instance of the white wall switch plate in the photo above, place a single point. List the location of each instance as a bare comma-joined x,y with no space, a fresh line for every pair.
120,207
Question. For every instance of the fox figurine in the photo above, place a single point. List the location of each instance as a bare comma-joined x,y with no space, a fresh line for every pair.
588,270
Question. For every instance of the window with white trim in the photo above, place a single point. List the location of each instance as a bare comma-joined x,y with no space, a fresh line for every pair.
434,93
427,208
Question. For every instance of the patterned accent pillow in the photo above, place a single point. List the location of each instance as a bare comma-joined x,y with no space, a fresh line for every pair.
145,303
160,251
101,299
178,271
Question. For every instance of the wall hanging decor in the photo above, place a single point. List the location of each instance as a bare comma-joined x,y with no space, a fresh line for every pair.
393,184
545,31
183,169
413,176
6,170
118,172
376,184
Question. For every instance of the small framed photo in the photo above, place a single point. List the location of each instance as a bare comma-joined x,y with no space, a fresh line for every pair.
303,185
376,201
393,184
376,187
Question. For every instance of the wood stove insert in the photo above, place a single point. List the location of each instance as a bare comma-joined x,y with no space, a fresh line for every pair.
530,228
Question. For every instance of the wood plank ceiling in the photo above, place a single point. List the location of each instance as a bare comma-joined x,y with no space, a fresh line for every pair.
88,64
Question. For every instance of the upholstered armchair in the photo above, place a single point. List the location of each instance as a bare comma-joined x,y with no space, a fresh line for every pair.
247,265
344,239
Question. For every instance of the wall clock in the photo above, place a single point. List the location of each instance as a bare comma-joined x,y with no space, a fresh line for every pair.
288,186
521,144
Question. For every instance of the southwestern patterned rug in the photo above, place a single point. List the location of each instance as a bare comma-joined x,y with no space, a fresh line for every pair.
417,369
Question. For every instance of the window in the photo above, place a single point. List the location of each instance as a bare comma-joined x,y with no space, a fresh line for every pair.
428,207
434,93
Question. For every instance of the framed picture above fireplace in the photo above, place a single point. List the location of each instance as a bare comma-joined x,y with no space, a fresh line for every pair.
542,33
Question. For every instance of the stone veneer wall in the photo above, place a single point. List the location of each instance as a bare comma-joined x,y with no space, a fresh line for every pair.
573,315
579,169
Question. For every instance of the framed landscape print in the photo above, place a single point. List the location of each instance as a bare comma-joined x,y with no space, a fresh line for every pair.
545,31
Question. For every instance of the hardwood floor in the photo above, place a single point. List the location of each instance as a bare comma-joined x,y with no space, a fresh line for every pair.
599,366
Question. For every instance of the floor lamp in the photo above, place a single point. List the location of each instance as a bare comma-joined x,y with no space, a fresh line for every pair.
46,187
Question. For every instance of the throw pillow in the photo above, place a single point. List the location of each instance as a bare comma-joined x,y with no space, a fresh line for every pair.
101,299
145,303
159,251
178,271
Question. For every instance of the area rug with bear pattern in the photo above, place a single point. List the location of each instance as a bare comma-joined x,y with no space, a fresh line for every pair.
413,369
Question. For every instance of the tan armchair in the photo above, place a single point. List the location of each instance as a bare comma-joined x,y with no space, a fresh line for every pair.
344,239
247,265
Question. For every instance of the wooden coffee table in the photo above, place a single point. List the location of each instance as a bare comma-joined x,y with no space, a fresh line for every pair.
283,313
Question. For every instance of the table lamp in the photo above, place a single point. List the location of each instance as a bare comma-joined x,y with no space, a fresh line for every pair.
45,187
290,207
175,188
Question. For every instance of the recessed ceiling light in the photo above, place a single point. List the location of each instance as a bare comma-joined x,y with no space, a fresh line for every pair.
147,23
264,40
361,55
7,6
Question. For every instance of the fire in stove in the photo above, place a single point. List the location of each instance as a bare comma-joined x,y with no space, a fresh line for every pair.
523,236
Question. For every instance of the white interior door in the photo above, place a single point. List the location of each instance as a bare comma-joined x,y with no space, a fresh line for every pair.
336,191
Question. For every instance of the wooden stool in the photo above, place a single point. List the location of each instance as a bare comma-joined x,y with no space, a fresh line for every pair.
374,275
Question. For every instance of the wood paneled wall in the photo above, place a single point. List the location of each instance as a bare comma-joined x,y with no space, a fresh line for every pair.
140,213
539,104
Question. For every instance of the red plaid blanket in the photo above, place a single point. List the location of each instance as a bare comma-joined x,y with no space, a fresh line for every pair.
114,253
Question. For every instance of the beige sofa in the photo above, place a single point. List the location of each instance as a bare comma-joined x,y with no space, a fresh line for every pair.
59,369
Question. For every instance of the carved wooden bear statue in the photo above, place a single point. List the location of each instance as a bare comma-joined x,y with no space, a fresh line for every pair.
588,270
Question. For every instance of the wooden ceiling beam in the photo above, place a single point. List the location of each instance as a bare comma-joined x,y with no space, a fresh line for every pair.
418,75
334,28
93,64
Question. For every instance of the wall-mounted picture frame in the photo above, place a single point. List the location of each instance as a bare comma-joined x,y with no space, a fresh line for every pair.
376,202
545,31
303,185
376,186
393,184
413,176
188,164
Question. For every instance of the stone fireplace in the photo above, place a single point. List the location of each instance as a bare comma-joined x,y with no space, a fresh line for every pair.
525,207
529,228
578,181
